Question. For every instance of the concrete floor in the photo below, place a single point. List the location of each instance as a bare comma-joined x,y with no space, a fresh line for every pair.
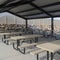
8,53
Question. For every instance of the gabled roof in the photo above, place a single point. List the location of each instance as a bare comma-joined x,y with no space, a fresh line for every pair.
31,9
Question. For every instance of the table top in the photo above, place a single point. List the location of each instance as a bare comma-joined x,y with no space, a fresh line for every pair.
25,36
51,47
56,42
4,33
11,33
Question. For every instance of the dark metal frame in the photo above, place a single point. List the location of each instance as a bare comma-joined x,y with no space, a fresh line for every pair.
52,55
53,4
43,13
24,51
5,3
40,9
47,55
18,44
10,6
26,23
37,57
17,15
4,37
52,26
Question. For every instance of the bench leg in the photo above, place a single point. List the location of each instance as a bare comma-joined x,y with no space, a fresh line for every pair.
36,39
2,39
14,47
52,56
30,41
18,43
23,51
47,55
7,42
58,53
5,38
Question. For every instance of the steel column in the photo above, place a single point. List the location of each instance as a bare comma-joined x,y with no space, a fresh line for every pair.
52,26
26,23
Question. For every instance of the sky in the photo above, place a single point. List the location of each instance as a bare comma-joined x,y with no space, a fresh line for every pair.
4,14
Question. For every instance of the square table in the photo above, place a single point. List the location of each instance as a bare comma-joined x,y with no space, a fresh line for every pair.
5,34
49,47
18,38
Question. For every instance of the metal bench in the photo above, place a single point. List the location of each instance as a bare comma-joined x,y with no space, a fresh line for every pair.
36,52
26,46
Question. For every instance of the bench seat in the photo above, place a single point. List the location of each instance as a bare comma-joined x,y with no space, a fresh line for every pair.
27,45
37,51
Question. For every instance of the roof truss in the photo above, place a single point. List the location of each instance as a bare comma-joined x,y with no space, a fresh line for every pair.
7,6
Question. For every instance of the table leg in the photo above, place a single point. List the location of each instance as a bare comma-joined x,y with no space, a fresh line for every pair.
5,38
2,39
51,56
24,50
30,41
14,46
7,42
47,55
18,43
20,34
37,57
36,39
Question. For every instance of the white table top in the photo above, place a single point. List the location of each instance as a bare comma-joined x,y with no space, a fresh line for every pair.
56,42
25,37
11,33
51,47
4,33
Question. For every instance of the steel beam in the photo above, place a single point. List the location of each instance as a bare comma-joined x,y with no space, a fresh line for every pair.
26,23
48,5
25,10
17,15
42,13
18,3
5,3
13,5
38,17
52,26
39,8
